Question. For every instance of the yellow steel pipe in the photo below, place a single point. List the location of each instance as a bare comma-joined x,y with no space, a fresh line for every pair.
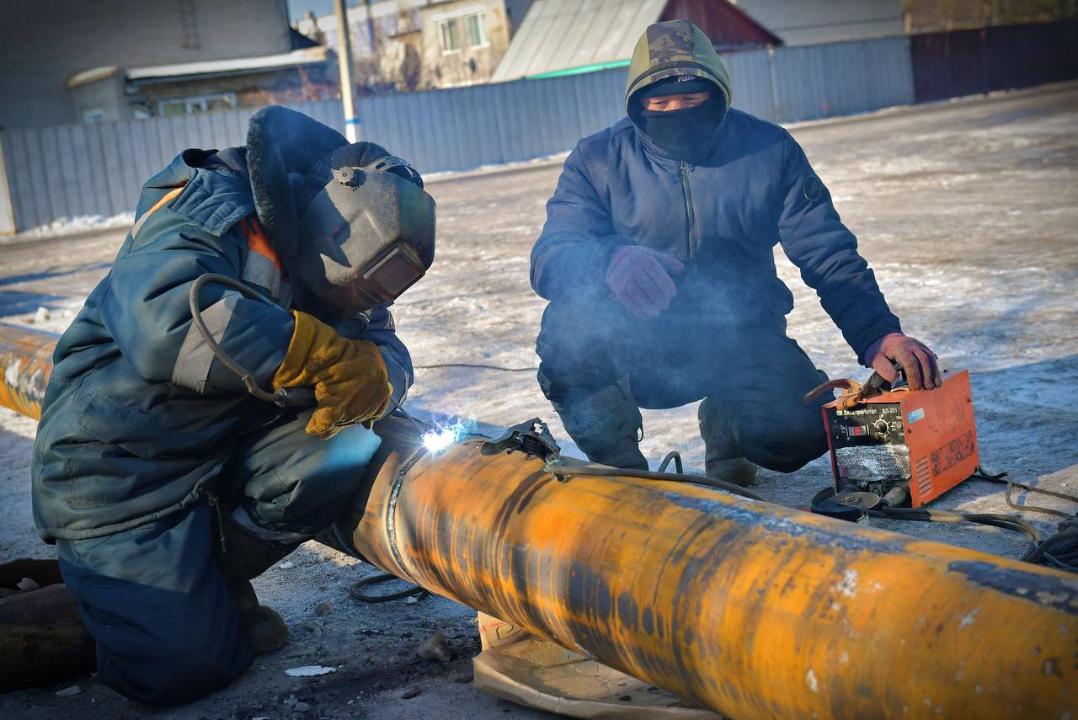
26,363
748,608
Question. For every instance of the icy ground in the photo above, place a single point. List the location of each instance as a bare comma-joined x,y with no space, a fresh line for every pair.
968,211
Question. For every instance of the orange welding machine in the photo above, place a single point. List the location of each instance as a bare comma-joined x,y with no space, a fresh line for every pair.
905,446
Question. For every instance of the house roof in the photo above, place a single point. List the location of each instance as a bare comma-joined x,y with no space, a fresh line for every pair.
728,26
568,36
232,66
808,22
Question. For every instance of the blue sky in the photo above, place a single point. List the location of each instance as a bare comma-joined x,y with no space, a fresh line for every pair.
297,9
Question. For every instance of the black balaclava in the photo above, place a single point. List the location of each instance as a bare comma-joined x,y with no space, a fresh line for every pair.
687,135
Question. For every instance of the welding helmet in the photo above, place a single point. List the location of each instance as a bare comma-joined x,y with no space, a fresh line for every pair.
366,232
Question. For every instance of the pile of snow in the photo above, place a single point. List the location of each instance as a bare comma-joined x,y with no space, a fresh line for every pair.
76,225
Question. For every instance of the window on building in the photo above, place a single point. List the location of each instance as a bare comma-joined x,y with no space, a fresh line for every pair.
449,30
95,115
477,30
197,104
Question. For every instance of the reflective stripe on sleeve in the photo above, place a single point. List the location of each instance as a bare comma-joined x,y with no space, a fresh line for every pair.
146,215
192,368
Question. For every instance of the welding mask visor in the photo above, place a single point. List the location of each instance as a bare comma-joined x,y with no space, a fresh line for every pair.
366,235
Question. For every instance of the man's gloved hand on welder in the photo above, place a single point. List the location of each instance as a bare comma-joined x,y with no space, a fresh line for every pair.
349,377
916,359
641,281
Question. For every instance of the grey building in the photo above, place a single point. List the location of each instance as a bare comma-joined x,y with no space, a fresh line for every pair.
64,61
809,22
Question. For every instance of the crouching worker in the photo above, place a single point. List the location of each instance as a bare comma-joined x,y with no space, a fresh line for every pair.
657,261
165,482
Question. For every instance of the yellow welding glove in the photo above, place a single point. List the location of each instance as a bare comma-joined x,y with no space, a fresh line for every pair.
349,377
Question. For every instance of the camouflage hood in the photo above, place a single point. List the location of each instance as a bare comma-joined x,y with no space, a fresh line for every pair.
675,48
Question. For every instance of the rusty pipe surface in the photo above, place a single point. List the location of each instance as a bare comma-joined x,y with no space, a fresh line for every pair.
744,607
26,363
747,608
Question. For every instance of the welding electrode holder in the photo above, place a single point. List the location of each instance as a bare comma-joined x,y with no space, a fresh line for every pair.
285,398
532,437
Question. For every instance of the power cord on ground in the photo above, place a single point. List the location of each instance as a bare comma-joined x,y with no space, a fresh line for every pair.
475,366
357,590
1059,550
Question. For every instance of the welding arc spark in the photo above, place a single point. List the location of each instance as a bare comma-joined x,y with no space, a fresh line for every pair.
435,441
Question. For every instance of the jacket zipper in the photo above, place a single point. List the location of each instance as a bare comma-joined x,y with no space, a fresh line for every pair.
690,213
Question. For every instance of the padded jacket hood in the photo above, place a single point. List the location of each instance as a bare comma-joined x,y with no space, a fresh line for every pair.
672,49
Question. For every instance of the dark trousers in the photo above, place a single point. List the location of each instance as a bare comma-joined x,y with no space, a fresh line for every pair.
751,376
154,598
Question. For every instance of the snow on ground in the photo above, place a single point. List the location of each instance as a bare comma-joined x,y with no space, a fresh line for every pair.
968,213
73,226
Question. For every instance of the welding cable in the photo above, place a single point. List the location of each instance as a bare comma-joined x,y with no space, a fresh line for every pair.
1060,550
357,590
219,352
1003,478
672,457
591,470
475,366
1005,522
285,397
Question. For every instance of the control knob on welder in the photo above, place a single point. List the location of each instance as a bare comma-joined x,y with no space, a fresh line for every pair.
880,427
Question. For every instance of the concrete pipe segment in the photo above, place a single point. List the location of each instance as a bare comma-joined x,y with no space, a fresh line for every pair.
751,609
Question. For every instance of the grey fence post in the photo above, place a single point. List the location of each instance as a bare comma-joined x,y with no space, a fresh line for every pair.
776,106
7,208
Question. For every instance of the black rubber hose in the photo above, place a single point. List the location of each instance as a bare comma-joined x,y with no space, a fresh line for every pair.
356,591
292,397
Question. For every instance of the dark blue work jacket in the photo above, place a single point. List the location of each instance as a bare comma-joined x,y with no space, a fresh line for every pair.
139,418
722,218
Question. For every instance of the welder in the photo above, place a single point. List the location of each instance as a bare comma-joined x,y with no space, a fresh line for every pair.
173,463
657,259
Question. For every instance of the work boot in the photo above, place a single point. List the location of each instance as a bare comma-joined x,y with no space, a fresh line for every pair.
723,458
622,453
606,426
736,470
262,627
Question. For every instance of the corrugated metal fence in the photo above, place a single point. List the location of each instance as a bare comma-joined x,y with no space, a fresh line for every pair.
967,62
67,171
97,169
505,122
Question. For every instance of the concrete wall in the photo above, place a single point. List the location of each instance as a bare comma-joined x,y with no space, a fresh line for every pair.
44,42
104,98
807,22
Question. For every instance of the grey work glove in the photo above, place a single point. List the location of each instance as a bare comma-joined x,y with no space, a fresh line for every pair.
640,279
915,358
